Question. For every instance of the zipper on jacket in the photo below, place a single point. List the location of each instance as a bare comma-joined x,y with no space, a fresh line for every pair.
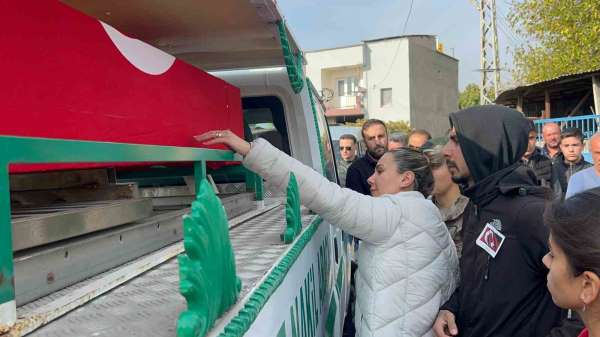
486,276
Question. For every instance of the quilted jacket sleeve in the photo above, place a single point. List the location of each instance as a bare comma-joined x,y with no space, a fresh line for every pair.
371,219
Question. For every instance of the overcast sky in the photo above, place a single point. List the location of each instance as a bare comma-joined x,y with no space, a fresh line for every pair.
330,23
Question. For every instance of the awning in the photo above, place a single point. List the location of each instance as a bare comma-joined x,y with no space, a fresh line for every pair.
211,35
355,111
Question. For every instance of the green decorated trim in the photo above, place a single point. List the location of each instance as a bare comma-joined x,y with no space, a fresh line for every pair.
240,324
293,221
208,280
314,111
293,63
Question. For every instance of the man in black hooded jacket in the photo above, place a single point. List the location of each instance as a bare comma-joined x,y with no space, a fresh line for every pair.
503,280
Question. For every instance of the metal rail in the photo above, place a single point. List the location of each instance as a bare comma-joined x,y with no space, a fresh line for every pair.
27,150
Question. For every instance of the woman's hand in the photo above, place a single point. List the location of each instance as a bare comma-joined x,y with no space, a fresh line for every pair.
226,137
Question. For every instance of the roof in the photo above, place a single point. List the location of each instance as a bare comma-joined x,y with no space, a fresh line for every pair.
398,37
511,94
333,48
371,40
339,112
211,35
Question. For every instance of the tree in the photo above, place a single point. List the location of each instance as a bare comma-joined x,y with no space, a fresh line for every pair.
469,97
562,37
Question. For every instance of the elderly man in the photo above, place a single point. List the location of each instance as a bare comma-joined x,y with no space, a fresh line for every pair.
347,154
419,138
589,177
396,141
551,136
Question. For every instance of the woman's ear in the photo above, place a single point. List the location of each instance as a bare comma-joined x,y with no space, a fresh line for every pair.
407,179
590,290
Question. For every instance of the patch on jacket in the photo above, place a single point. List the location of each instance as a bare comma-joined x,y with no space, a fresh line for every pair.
490,239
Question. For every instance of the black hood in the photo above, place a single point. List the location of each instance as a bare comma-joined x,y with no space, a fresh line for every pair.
491,137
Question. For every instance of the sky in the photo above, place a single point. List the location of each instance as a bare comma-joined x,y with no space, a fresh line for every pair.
318,24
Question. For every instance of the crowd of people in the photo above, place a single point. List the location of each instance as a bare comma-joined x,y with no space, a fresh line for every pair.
487,235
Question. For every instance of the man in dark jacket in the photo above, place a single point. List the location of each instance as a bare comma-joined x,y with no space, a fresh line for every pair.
568,162
503,280
374,134
535,160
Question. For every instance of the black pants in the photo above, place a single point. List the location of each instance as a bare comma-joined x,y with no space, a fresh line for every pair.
349,328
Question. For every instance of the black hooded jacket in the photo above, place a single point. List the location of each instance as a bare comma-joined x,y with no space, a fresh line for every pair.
505,295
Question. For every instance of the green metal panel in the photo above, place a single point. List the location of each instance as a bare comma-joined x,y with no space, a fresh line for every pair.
7,290
293,63
199,174
44,150
293,219
259,188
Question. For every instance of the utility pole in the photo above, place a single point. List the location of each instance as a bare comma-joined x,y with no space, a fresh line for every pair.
490,59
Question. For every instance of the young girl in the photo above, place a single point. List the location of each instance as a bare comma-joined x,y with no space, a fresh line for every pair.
407,263
574,257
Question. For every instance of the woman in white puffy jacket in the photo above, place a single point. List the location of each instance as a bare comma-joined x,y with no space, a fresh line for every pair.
407,261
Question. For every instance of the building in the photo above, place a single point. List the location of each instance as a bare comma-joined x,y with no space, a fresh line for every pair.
392,79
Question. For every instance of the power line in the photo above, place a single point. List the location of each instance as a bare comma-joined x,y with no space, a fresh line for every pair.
398,46
407,17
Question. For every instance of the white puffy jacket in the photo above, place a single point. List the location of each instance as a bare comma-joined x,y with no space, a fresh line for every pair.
407,261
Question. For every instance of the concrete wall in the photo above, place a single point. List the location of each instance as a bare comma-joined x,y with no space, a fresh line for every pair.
433,88
331,58
424,82
387,66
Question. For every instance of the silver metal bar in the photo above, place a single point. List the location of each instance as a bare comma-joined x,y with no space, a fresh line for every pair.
148,305
59,225
42,271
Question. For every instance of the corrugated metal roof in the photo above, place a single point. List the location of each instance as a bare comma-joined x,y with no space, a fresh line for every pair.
507,94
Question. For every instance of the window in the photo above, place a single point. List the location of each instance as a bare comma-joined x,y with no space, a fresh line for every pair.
264,117
347,86
351,85
386,97
341,87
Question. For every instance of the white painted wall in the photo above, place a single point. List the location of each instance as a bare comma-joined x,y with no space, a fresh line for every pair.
383,70
331,58
424,82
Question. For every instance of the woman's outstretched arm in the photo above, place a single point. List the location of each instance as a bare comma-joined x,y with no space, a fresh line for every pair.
368,218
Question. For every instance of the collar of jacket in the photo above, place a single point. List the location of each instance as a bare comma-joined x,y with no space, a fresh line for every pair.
544,151
456,210
560,158
515,179
370,159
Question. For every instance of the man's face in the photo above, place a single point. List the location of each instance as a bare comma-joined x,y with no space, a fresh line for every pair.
376,140
595,150
551,135
347,149
571,147
392,145
530,144
417,140
455,160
